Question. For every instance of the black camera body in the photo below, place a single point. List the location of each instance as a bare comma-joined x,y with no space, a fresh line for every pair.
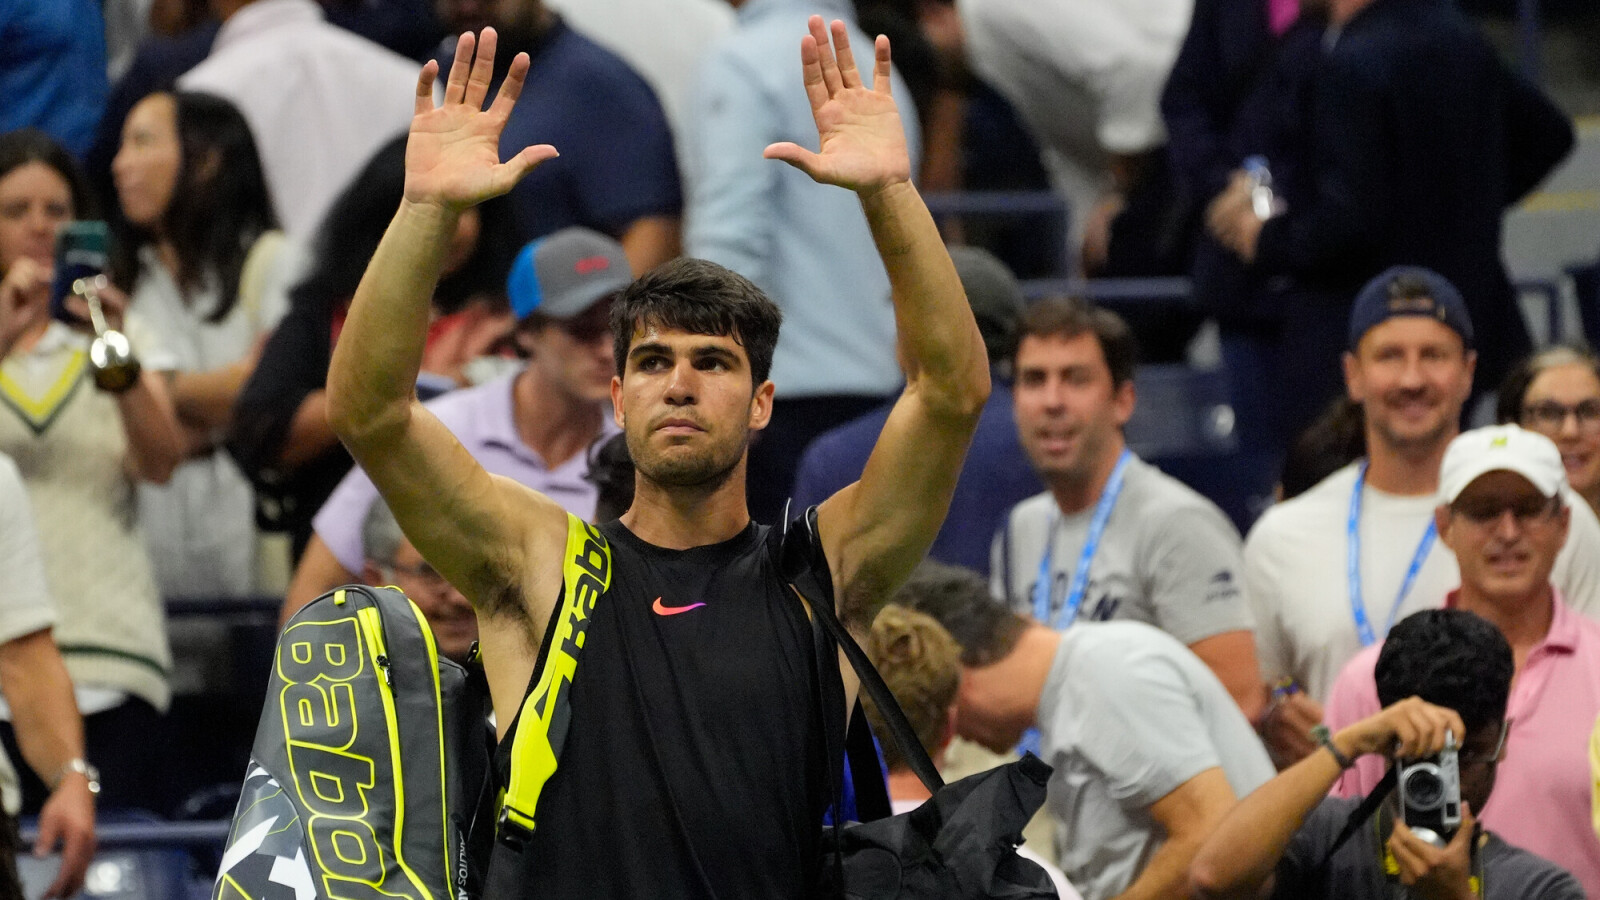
1430,794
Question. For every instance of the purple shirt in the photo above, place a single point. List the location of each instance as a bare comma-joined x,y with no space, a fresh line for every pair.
1541,799
481,418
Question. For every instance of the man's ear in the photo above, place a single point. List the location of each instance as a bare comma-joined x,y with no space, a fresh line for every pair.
1352,377
616,400
761,405
372,574
1442,522
1124,397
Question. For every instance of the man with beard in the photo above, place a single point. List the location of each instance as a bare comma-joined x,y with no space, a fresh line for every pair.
693,761
1318,598
1112,537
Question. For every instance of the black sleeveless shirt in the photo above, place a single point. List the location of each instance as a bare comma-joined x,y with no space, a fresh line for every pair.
693,766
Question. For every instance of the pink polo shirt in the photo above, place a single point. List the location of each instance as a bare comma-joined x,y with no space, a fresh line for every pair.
1542,793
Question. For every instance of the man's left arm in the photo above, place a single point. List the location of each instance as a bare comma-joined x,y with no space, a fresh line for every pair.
1187,816
876,530
1197,589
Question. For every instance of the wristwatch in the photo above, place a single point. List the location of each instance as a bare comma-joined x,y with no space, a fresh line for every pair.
82,767
1324,738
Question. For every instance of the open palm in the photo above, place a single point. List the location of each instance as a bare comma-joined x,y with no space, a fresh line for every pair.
453,151
862,140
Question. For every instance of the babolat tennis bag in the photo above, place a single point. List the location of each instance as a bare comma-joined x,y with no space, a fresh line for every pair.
367,764
369,776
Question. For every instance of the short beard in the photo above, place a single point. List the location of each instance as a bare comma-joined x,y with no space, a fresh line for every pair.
1426,442
705,472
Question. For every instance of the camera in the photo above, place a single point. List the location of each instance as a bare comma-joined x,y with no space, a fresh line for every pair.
1430,794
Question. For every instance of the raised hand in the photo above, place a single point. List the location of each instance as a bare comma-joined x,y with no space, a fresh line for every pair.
862,140
453,152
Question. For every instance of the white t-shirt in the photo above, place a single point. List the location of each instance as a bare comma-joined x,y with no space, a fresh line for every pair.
25,605
1127,716
200,525
319,100
1168,558
1085,77
1296,574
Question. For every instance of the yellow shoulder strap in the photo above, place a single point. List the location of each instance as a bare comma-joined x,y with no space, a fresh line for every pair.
546,712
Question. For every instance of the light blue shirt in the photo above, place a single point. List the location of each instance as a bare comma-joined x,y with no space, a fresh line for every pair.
807,245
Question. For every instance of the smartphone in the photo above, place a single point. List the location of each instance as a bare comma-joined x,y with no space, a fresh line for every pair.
82,251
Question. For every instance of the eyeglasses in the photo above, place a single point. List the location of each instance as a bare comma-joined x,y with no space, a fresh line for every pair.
1472,759
425,574
1548,415
1488,511
589,325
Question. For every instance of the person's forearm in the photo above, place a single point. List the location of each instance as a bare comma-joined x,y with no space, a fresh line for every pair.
309,435
940,346
651,241
205,400
155,442
1166,874
1243,851
373,375
43,710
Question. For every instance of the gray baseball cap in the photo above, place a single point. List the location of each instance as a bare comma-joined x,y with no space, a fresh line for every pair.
565,272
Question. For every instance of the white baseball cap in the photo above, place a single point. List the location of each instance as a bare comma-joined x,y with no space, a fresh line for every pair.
1498,448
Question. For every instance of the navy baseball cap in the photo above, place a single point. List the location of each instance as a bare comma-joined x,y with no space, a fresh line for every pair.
565,272
1409,291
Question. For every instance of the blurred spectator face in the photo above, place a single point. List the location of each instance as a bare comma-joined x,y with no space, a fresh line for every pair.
1412,375
474,15
1068,412
1563,404
449,614
146,167
35,201
576,355
1505,535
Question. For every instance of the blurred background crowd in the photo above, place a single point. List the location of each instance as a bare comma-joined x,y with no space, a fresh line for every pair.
1249,273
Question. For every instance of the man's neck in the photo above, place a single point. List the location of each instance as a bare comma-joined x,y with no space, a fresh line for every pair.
556,425
1524,621
1405,471
680,518
906,787
1076,493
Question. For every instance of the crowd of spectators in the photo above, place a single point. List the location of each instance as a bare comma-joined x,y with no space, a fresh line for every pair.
1198,690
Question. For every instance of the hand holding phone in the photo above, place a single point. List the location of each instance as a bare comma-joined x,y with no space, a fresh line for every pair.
81,253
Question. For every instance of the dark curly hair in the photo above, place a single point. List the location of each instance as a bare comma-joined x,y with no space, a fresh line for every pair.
699,297
1449,658
958,599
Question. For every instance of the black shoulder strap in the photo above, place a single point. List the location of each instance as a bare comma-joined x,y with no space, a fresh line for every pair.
1369,805
807,582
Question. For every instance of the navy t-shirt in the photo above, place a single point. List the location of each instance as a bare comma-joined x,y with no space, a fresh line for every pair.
617,162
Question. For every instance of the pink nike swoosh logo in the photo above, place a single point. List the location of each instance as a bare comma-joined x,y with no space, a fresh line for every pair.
662,610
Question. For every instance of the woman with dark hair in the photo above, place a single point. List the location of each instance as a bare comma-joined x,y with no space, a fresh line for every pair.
82,442
210,273
280,434
1556,392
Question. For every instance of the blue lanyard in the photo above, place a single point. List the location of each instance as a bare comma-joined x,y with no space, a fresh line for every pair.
1358,608
1063,618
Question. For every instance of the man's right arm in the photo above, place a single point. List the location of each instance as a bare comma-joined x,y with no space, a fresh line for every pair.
474,528
1239,858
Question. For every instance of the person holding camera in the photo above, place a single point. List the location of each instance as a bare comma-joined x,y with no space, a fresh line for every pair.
84,426
1504,513
1444,676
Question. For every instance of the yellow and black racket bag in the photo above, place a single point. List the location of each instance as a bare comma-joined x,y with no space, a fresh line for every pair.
367,764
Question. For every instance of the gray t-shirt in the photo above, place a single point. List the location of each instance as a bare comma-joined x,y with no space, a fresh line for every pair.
1168,558
1127,716
1355,872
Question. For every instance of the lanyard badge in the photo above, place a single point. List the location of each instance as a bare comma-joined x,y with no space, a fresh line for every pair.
1043,610
1358,609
